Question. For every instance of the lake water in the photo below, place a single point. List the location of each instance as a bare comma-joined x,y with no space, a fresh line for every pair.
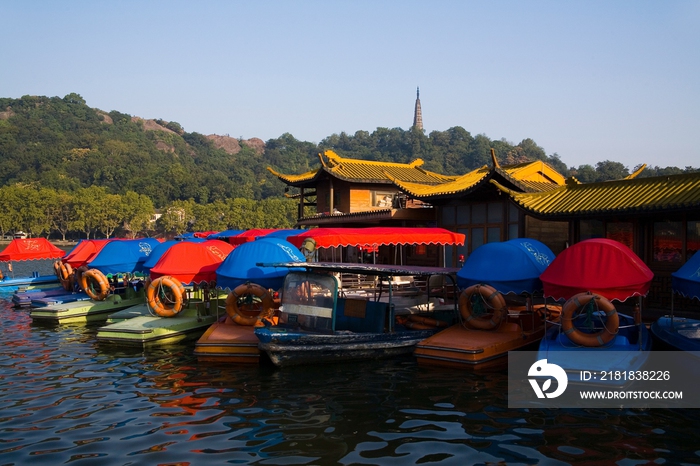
65,399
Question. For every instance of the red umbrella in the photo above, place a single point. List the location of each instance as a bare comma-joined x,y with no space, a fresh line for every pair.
30,249
601,266
249,235
192,262
84,251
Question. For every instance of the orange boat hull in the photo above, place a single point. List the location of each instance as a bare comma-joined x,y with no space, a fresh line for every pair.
466,348
226,341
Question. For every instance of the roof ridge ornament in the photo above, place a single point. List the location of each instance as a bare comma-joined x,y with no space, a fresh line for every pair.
494,159
636,173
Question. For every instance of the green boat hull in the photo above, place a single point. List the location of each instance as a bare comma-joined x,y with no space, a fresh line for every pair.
88,312
147,330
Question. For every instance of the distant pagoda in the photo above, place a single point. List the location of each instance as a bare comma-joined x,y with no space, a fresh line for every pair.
417,114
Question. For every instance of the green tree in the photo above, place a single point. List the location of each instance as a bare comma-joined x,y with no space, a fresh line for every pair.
60,212
609,170
138,212
87,205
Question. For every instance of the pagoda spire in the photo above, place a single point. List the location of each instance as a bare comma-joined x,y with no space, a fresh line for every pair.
417,114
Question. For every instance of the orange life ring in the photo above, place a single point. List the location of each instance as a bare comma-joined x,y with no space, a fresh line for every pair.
165,295
599,338
78,274
494,301
234,311
66,276
94,284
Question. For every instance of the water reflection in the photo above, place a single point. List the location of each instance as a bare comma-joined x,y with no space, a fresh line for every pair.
63,398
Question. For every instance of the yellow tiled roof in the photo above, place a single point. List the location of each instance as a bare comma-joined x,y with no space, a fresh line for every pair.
529,176
673,192
462,183
365,171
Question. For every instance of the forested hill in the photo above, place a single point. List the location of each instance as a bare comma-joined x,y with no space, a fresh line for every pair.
63,144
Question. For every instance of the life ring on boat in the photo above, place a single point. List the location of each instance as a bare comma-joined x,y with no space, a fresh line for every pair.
78,274
599,338
64,273
66,276
165,295
236,313
494,302
417,322
94,284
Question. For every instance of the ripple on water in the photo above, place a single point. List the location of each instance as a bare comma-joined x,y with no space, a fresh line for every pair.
63,398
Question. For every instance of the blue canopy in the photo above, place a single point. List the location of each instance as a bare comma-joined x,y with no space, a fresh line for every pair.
512,266
686,280
123,256
240,266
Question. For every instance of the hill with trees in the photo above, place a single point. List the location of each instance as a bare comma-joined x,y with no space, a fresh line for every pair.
59,156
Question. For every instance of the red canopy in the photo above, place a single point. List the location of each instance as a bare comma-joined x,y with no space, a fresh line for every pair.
599,265
84,251
192,262
368,237
249,235
204,234
29,249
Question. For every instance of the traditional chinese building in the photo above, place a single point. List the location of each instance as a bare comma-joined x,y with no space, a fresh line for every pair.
348,192
657,217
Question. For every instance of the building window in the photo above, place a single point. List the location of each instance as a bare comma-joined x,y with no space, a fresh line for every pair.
513,216
622,232
478,213
592,229
448,215
463,217
692,238
382,199
668,242
495,212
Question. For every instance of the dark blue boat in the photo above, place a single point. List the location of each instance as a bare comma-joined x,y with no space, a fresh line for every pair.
678,332
319,324
592,335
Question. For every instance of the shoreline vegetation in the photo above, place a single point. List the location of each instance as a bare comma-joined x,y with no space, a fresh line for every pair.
73,169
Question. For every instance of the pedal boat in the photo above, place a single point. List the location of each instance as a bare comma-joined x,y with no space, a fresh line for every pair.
496,308
483,341
319,325
120,296
179,314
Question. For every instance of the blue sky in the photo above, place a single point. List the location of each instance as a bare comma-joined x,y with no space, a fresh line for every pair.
588,80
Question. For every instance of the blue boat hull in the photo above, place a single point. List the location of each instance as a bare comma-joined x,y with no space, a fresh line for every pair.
628,351
10,285
678,334
287,347
24,297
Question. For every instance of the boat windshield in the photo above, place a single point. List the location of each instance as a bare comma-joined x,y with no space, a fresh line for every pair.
308,300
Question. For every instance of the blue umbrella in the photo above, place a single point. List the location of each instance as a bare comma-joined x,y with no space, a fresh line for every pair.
686,280
512,266
225,234
240,265
123,256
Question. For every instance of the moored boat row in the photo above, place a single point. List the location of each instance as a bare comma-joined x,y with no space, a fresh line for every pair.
240,303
